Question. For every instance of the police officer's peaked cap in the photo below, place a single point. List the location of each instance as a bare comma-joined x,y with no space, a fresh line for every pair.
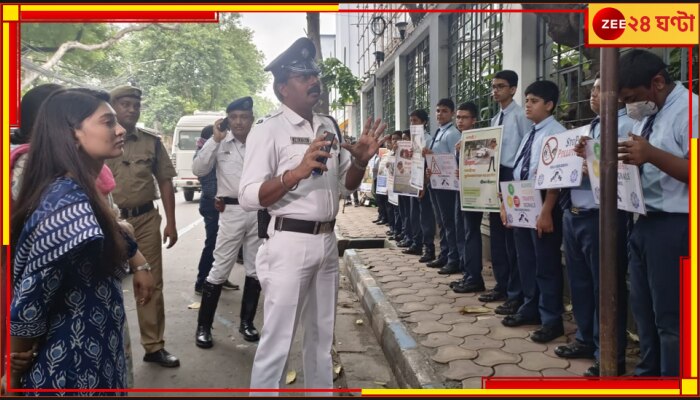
243,104
124,91
299,57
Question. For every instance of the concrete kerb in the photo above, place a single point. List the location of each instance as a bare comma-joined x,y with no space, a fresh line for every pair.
410,366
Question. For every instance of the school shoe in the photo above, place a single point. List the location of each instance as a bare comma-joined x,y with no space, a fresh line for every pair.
413,251
249,305
163,358
230,286
403,244
456,283
492,295
449,269
439,263
519,319
428,256
509,307
469,288
205,318
547,333
594,370
575,349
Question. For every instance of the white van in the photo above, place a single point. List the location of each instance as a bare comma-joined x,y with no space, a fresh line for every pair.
185,136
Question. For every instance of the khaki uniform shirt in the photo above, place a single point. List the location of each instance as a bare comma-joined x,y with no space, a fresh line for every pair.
133,171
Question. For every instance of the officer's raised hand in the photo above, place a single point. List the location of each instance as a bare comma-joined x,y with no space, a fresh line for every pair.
369,142
219,135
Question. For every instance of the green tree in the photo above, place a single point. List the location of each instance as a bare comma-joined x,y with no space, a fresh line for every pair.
337,76
204,67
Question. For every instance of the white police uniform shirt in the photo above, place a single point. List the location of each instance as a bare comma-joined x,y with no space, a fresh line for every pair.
278,143
228,156
582,196
445,139
670,134
515,127
548,127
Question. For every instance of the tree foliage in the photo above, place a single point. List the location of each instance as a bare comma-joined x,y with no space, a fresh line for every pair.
336,75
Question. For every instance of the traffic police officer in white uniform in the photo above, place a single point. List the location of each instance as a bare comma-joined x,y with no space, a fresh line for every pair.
298,264
227,148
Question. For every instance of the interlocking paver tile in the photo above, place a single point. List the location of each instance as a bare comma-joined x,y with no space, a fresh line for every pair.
419,316
478,342
513,370
468,301
394,285
407,298
472,383
466,329
518,345
456,318
500,332
400,291
441,339
391,278
492,357
412,273
411,307
426,327
423,285
557,372
489,321
579,366
430,292
446,354
444,309
535,361
435,300
462,369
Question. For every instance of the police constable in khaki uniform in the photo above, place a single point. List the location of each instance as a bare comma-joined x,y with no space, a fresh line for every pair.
145,157
298,264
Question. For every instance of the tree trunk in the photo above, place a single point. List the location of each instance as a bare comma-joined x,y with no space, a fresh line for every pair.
313,32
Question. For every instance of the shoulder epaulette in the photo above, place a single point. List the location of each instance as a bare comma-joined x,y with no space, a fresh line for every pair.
268,116
151,132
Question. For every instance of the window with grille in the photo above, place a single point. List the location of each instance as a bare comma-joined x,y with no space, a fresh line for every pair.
369,104
573,69
388,103
475,55
418,78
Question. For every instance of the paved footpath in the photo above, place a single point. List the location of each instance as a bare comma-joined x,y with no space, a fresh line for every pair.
433,337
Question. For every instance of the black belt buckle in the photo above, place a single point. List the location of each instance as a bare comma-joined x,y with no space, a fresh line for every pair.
323,227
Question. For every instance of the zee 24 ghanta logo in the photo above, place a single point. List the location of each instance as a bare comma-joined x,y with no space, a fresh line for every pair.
609,23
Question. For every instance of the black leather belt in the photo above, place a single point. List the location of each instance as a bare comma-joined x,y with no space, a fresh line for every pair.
136,211
297,225
230,200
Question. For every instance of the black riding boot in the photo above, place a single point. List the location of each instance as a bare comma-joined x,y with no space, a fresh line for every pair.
249,304
207,309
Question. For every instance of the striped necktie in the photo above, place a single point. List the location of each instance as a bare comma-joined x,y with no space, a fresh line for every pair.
526,154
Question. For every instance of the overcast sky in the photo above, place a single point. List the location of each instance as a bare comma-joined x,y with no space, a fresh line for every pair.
275,32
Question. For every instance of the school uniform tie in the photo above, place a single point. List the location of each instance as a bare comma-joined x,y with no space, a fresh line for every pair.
500,120
647,129
526,154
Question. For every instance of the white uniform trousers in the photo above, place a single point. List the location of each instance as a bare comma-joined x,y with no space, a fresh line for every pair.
235,228
298,273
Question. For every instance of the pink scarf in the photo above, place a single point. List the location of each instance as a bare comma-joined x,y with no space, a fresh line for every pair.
105,180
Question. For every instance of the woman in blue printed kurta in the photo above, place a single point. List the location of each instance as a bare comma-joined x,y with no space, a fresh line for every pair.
69,253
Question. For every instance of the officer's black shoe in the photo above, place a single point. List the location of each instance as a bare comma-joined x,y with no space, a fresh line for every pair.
575,349
493,295
207,310
249,332
428,256
376,221
204,339
449,269
412,250
509,307
404,244
594,370
249,305
439,263
456,283
519,319
163,358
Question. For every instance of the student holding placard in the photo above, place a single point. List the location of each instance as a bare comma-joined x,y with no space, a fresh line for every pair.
539,250
581,249
659,145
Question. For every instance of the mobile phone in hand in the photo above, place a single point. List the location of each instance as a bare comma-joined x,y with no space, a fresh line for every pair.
328,137
223,126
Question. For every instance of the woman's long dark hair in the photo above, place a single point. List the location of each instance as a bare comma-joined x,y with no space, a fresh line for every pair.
54,154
